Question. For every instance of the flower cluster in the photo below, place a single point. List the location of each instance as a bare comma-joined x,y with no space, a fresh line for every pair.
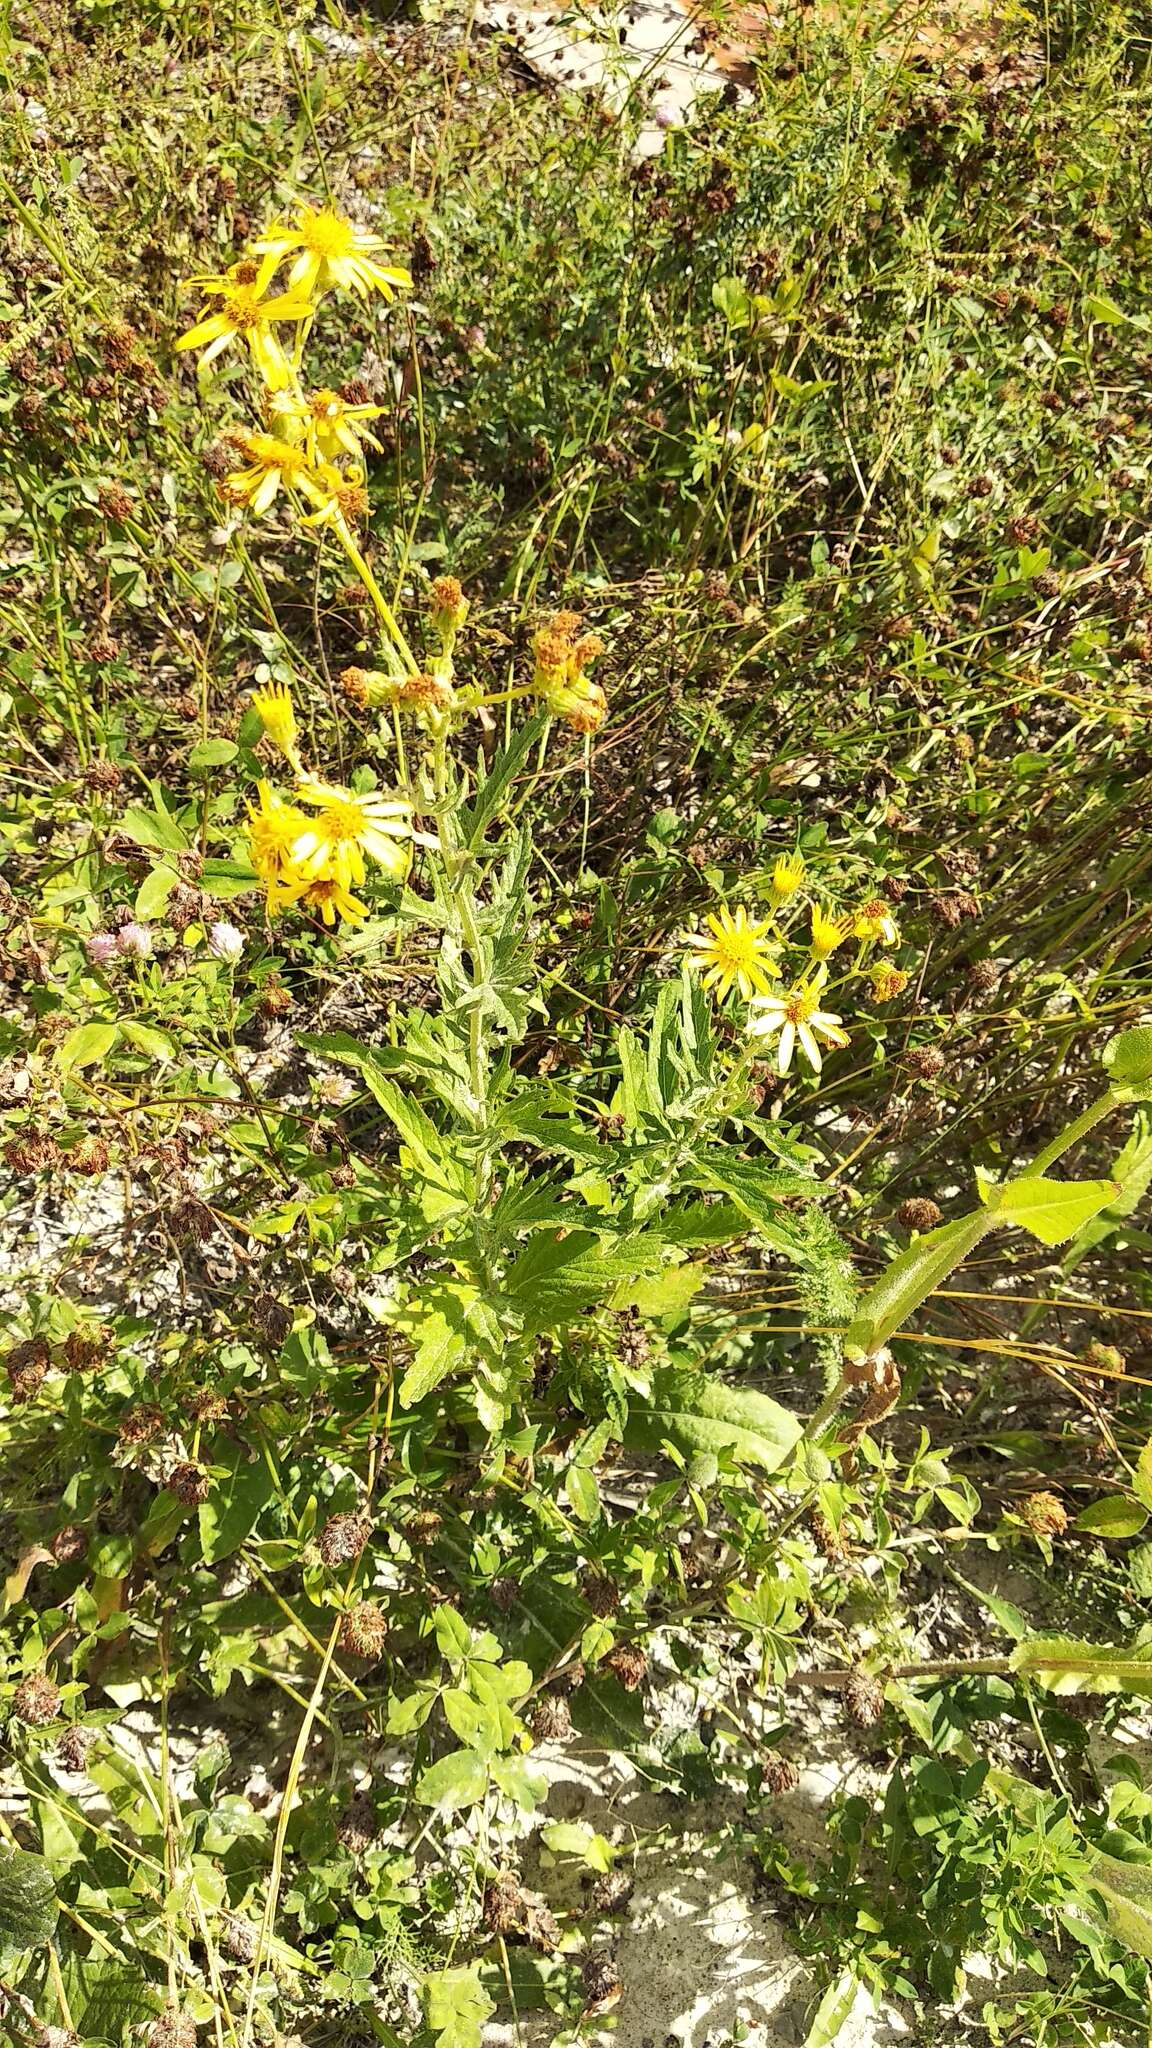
310,443
562,653
735,951
313,848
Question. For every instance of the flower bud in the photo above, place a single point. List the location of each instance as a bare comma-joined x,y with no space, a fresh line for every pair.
449,608
225,943
1045,1514
134,941
787,875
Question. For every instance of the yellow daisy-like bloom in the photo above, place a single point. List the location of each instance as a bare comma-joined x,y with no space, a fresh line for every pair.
273,706
734,952
245,313
327,895
798,1018
561,656
333,845
331,250
330,426
273,828
827,933
269,462
340,501
887,983
874,922
787,875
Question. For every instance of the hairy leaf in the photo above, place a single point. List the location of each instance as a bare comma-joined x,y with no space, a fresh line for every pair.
697,1413
1063,1665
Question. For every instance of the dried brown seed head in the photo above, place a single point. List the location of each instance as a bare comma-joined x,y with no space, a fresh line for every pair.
189,1482
1045,1514
343,1538
36,1701
363,1630
778,1774
864,1699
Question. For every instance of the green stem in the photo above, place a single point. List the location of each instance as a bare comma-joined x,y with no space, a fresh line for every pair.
381,603
1072,1133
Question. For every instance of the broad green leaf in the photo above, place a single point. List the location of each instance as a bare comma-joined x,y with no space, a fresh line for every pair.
1063,1665
417,1130
697,1413
106,1995
554,1279
209,754
912,1276
663,1294
233,1507
756,1188
1052,1209
440,1346
459,1779
153,893
582,1493
155,828
456,2006
698,1224
1132,1172
1112,1516
28,1909
154,1044
834,2011
1126,1889
553,1134
635,1095
731,297
1105,311
578,1838
86,1045
1140,1570
471,1722
1128,1056
522,1782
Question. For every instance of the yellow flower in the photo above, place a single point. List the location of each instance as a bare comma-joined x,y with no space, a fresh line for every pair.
333,845
887,983
797,1016
874,922
735,952
827,933
273,826
273,706
329,425
559,678
331,251
245,312
328,896
340,501
787,876
269,462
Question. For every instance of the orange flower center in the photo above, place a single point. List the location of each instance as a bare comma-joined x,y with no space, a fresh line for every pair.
243,308
801,1007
